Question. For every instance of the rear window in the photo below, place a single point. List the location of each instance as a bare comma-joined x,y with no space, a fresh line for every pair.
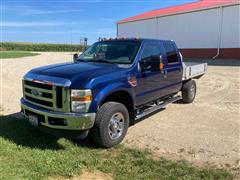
171,52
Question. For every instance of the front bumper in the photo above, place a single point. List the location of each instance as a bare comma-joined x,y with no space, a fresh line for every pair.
59,120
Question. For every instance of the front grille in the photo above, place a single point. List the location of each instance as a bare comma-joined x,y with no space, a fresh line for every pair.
59,101
39,85
38,101
45,95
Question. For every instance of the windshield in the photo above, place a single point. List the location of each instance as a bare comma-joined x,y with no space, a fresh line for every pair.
120,52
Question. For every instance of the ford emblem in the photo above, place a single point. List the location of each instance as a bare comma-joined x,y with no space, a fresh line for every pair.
36,92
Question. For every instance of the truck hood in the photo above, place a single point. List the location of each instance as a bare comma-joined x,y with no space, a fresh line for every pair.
77,72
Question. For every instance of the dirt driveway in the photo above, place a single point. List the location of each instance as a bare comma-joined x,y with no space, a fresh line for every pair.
206,131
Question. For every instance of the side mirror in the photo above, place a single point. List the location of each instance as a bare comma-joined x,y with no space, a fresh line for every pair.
156,63
75,56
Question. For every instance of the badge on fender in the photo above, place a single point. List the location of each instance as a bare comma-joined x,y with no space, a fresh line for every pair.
132,81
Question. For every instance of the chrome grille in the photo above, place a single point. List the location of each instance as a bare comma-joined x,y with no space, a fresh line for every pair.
45,95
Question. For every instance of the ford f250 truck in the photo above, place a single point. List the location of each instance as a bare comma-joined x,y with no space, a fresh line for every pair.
107,88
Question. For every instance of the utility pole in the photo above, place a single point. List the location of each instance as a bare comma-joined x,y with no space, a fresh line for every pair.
85,43
71,34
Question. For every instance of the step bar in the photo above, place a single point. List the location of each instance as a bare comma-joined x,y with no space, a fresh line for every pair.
156,107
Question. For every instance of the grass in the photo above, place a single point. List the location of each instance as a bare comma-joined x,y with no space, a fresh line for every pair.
26,153
15,54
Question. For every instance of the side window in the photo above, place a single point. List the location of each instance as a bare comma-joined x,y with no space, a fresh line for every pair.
171,52
151,49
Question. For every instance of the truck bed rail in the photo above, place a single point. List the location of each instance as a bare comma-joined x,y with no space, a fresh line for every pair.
193,70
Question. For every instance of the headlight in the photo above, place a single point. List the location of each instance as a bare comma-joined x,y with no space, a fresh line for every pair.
80,100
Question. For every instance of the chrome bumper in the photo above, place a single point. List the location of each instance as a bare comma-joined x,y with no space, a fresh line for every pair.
59,120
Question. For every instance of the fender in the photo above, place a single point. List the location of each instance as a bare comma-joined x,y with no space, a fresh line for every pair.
109,89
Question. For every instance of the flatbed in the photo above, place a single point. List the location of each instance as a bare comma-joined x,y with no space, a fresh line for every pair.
192,70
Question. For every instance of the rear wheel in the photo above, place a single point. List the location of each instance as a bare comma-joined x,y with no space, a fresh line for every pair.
111,124
189,91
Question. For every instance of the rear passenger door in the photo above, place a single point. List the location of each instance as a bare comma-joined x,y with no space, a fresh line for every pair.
173,68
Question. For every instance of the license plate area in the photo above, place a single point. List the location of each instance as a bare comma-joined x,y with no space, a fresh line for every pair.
33,119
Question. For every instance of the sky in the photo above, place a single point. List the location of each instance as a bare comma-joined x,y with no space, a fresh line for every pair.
67,21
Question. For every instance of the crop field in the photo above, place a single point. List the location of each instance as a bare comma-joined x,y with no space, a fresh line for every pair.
11,46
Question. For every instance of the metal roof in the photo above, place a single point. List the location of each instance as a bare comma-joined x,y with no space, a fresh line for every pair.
194,6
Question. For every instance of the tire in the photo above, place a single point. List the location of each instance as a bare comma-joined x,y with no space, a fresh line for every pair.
106,130
189,90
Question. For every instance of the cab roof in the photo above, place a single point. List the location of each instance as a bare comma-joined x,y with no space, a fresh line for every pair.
134,40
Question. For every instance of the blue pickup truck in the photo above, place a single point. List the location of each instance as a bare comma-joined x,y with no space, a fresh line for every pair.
107,88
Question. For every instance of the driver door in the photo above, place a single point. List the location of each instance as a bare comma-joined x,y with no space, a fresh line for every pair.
150,83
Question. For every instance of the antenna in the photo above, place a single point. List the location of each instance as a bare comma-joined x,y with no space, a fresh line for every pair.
71,34
83,42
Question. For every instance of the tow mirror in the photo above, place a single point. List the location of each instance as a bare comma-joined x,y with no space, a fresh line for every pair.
157,63
75,56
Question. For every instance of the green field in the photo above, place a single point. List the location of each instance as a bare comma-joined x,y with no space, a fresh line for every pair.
15,54
26,153
17,46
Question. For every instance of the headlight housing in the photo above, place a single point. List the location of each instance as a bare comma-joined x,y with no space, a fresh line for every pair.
80,100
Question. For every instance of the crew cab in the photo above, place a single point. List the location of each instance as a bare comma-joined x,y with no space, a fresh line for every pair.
109,87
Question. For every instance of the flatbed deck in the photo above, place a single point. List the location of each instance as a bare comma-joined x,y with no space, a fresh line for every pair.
192,70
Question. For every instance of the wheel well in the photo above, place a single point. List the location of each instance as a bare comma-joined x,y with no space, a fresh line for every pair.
124,98
184,82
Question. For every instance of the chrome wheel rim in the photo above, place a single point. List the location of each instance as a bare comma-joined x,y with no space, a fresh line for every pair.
116,126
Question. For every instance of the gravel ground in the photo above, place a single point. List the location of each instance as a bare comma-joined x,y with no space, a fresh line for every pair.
204,132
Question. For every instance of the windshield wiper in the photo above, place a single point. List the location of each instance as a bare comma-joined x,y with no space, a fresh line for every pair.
102,61
81,60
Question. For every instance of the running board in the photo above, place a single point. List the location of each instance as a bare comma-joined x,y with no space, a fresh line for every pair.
154,108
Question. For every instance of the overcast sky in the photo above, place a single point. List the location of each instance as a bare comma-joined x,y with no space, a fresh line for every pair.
52,21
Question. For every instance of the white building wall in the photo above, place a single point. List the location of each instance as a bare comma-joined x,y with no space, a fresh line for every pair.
231,27
144,28
190,30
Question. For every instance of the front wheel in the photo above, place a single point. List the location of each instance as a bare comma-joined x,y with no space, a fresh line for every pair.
111,124
189,90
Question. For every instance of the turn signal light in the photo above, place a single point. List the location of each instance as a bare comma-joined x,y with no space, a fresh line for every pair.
161,66
83,99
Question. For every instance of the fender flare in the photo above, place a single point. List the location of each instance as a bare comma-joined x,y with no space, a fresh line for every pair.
108,90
